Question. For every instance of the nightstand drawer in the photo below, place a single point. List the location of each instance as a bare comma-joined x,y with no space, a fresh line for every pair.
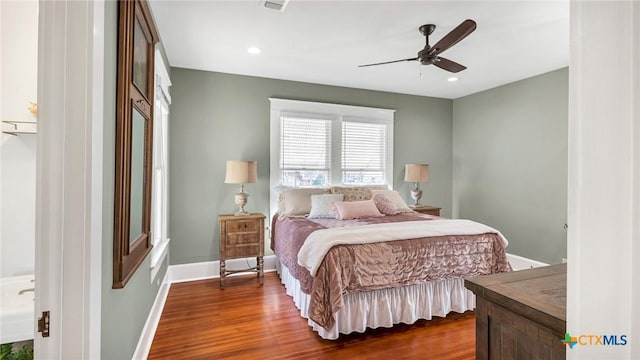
241,251
242,239
242,226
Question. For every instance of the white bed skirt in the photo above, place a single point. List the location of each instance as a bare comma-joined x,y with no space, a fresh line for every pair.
385,307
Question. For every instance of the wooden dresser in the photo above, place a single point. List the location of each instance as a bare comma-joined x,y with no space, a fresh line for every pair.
521,314
241,237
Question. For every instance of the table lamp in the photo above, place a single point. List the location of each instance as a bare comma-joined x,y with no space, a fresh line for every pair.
416,173
241,172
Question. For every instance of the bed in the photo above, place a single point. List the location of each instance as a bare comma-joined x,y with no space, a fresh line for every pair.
349,275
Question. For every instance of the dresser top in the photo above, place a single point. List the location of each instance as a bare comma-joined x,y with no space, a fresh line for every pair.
539,293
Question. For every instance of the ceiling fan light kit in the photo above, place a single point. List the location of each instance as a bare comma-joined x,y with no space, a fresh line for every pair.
429,55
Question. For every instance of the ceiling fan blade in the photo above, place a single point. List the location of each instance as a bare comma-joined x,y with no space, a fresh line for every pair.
389,62
448,65
453,37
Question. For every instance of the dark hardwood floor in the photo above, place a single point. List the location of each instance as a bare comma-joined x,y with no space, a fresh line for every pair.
249,321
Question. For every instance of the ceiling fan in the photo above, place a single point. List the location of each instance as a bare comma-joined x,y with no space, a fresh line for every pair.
429,54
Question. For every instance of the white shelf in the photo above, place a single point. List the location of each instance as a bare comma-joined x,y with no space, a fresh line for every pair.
17,127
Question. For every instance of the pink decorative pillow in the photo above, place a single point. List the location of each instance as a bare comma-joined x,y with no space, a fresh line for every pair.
385,205
395,198
346,210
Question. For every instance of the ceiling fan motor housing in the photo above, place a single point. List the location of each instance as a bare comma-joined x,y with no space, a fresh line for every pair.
424,58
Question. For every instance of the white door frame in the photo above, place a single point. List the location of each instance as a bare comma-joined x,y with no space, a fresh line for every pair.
603,289
69,177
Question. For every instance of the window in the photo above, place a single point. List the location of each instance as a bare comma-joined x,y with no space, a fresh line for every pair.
305,151
318,144
364,148
160,179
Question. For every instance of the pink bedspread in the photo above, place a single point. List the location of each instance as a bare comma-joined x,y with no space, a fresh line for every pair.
365,267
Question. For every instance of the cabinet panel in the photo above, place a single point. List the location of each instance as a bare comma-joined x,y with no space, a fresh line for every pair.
242,239
514,337
242,226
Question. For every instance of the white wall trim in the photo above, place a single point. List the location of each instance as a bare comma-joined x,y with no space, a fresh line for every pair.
211,269
150,327
329,108
160,178
635,291
94,320
603,144
69,177
522,263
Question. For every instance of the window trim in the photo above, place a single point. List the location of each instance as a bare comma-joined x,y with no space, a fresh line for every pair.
337,113
159,212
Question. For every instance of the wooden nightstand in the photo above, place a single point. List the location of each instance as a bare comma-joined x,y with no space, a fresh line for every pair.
241,237
426,209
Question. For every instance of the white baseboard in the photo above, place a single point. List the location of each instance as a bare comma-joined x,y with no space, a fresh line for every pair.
211,269
522,263
149,329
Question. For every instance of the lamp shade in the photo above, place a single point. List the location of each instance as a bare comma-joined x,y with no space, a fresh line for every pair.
241,172
416,173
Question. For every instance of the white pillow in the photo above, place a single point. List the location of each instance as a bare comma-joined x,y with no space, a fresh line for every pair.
321,206
395,198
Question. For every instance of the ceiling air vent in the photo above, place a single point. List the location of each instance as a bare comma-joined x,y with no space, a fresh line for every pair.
277,5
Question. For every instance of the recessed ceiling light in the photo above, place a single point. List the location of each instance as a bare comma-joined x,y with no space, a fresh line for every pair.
254,50
452,79
277,5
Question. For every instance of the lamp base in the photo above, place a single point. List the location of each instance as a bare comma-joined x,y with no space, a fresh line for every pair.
416,194
241,200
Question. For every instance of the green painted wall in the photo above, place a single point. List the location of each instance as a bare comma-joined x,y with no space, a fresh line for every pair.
510,163
217,117
124,311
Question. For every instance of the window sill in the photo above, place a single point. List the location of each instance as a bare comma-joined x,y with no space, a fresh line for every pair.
158,255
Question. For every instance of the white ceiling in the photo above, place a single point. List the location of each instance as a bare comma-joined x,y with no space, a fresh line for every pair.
323,41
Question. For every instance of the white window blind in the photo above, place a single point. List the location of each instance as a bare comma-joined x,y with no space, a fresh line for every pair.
305,151
364,151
